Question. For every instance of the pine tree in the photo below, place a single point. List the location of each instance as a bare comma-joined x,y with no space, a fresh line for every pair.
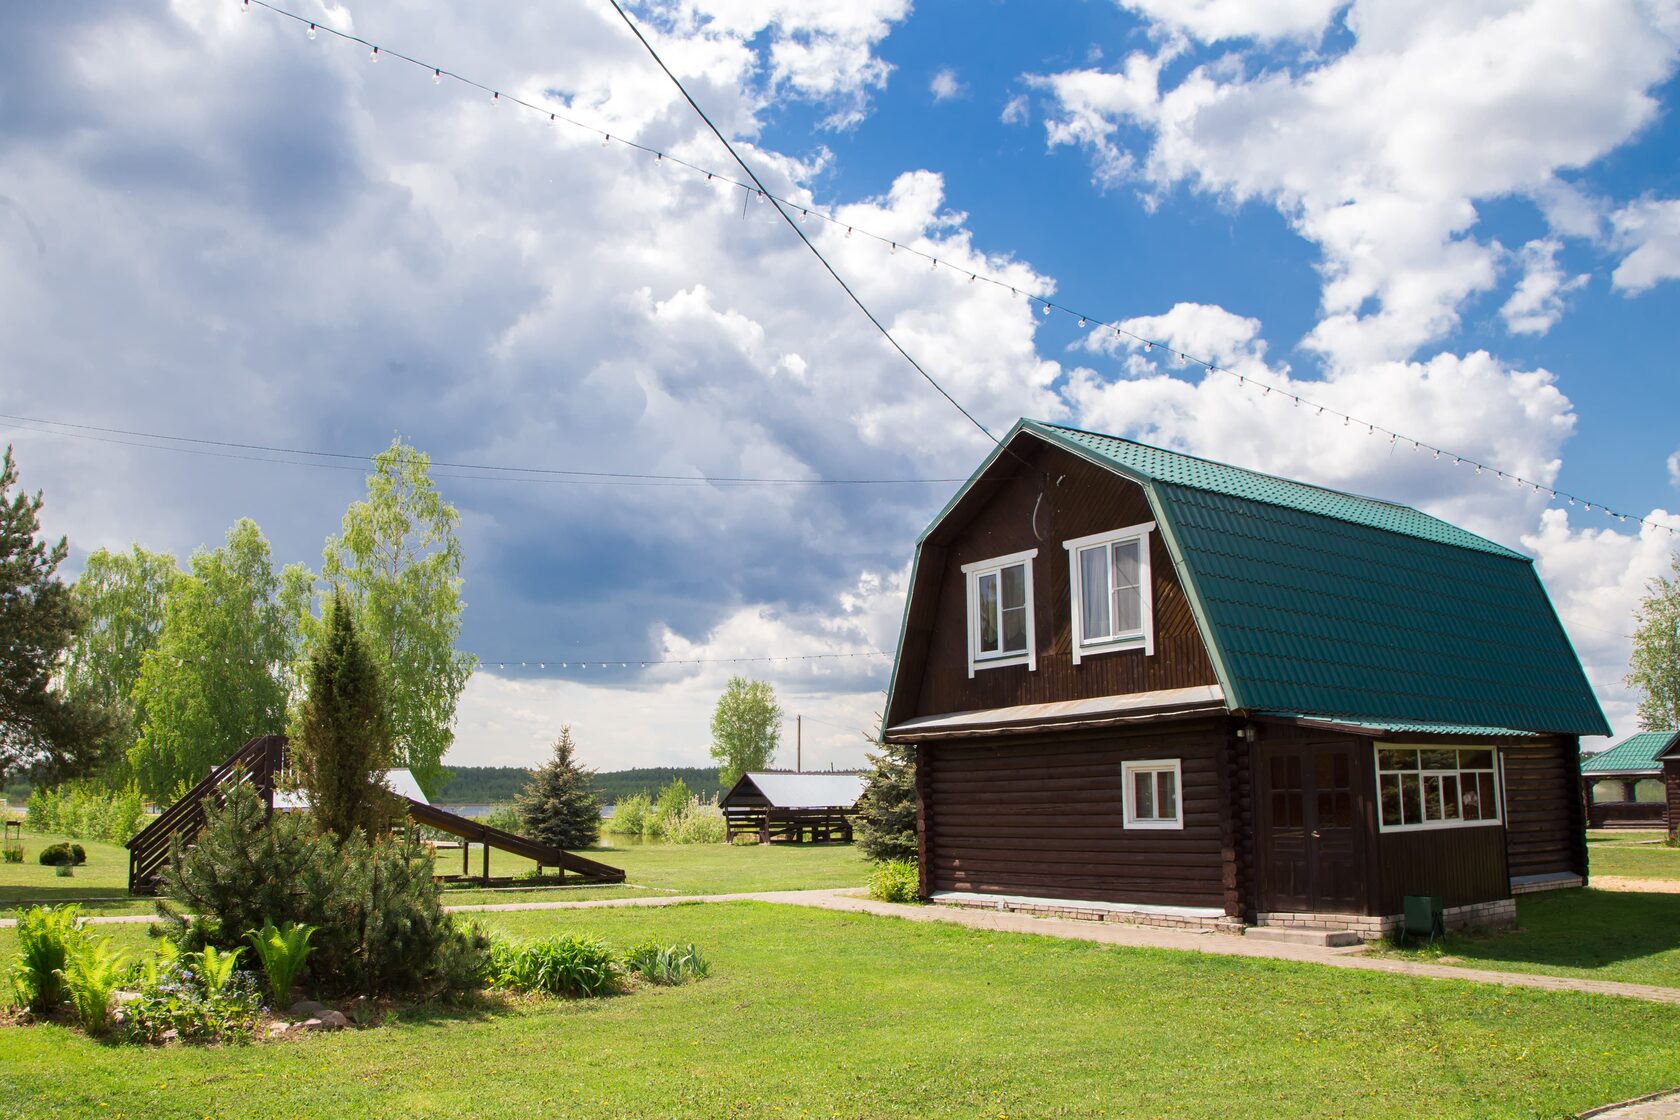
558,805
38,619
886,813
341,741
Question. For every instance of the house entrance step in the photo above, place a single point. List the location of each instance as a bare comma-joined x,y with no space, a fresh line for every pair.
1323,937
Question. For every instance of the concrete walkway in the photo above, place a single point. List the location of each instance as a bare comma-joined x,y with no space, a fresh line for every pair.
1103,933
1662,1106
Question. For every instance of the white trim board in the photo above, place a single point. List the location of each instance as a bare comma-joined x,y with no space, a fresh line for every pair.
1201,694
1081,904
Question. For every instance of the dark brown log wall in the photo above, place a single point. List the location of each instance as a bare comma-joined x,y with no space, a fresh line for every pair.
1671,778
1545,829
1073,499
1460,865
1043,817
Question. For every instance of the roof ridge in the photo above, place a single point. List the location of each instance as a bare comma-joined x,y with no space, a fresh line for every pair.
1443,529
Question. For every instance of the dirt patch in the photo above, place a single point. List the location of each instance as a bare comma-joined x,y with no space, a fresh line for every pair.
1646,886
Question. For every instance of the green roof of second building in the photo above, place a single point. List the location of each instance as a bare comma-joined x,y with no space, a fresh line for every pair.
1637,754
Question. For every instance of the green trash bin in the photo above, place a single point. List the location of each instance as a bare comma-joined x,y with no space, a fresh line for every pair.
1424,915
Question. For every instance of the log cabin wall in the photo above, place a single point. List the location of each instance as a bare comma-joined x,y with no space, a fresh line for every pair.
1671,780
1459,865
1544,816
1043,816
1073,499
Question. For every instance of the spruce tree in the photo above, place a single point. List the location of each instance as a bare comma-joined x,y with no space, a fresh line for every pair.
341,742
558,805
885,825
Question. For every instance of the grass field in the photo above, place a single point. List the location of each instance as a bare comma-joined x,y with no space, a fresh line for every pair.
813,1013
1632,855
1593,934
653,869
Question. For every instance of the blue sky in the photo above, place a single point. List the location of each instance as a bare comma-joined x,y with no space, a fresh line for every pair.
1462,222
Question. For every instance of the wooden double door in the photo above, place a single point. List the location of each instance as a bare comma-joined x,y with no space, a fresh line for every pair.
1310,845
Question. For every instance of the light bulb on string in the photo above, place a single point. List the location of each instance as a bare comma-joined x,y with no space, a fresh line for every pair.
1046,307
311,32
606,138
373,56
437,77
495,98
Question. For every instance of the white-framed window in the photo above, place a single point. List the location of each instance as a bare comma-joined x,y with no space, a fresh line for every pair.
1113,607
1000,612
1436,787
1152,793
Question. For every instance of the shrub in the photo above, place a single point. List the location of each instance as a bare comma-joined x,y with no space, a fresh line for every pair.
504,818
86,810
667,964
381,927
558,805
630,815
92,977
566,965
13,852
894,880
175,996
662,818
47,937
283,953
63,855
699,822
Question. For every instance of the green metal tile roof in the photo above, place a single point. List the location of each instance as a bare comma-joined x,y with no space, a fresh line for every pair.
1636,754
1413,727
1333,605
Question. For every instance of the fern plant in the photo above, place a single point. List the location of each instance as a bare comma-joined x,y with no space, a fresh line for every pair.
46,939
282,951
92,977
216,967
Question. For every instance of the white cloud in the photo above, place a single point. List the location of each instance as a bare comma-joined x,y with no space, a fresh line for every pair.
1674,469
1648,231
1474,405
945,85
1212,20
1596,577
1380,154
1537,304
1015,110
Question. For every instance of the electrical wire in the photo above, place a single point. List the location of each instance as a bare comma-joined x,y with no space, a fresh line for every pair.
217,448
1045,304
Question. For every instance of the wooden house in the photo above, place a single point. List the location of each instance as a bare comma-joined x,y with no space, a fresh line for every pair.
778,806
1624,787
1146,685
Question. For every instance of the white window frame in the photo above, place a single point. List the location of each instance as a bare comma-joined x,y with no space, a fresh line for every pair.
971,576
1428,825
1145,638
1153,766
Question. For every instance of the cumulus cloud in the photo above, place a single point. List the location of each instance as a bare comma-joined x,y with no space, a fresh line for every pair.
1015,110
1379,153
1648,232
945,85
1674,469
1596,577
1213,20
1537,303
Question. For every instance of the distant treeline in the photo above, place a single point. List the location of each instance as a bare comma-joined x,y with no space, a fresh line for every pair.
492,784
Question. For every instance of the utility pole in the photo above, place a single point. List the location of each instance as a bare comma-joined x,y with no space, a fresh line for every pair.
798,744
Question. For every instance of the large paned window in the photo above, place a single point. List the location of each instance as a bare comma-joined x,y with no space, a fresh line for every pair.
1151,793
1436,787
1000,612
1112,605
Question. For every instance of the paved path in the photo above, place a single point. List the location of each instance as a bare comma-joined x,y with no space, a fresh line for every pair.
1105,933
1646,886
1663,1106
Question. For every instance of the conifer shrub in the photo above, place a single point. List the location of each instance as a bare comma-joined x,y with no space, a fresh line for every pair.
885,823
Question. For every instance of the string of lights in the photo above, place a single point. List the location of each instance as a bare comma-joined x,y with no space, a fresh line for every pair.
574,662
218,448
788,207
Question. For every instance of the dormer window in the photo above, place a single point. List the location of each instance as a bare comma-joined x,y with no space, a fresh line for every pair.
1113,608
1000,612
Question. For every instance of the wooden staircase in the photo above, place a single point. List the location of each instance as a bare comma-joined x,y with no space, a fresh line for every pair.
260,762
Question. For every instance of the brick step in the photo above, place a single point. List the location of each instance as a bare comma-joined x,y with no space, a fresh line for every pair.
1323,937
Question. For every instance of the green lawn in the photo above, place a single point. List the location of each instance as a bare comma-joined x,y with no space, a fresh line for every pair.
1597,935
653,869
105,875
1632,855
824,1014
